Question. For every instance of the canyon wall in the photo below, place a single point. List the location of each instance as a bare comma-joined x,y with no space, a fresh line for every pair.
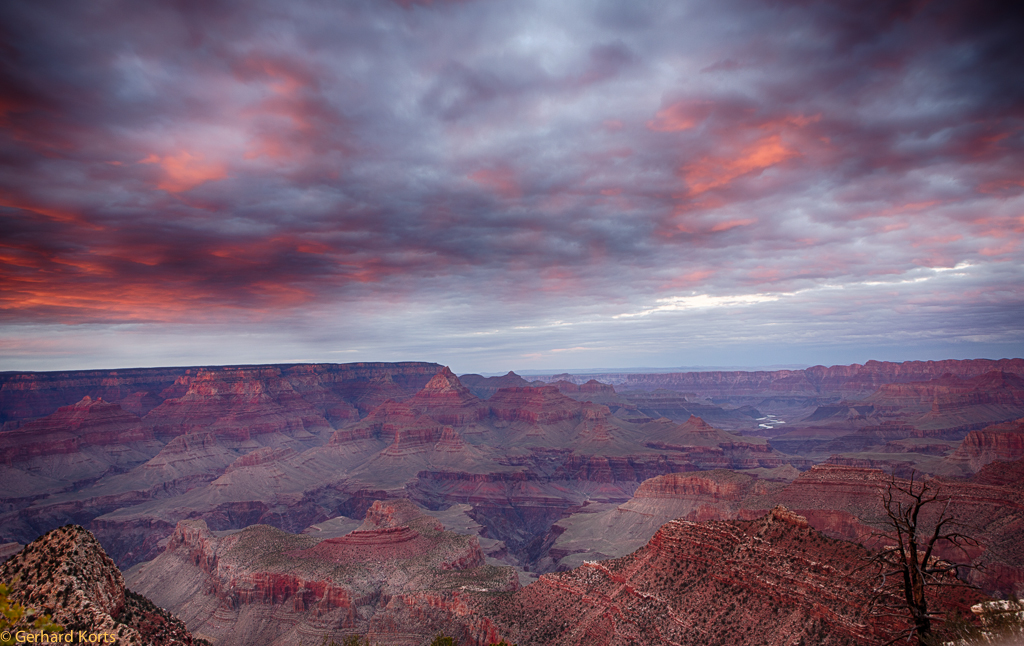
854,380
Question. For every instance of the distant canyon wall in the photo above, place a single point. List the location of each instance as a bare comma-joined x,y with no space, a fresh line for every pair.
854,380
28,395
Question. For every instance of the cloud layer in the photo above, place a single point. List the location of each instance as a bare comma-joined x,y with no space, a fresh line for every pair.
510,184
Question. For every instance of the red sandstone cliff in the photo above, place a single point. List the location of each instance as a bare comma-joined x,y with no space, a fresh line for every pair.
446,400
999,442
262,585
771,581
29,395
842,502
88,423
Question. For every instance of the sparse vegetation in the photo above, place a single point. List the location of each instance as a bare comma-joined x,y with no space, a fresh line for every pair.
444,640
14,616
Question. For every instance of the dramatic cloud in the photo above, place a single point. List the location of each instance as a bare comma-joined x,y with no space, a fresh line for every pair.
510,185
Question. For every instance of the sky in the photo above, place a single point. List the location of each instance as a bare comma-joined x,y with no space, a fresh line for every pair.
497,185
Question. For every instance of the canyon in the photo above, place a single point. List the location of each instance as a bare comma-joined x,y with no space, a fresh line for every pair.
547,474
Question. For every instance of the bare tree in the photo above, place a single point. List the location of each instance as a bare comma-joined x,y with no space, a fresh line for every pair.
913,534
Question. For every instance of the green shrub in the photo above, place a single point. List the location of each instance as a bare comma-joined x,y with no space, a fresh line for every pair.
14,616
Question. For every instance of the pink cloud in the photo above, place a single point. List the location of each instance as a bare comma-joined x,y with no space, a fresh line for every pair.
502,181
732,224
184,171
714,171
680,116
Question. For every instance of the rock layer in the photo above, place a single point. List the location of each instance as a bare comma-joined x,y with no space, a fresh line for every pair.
771,581
262,585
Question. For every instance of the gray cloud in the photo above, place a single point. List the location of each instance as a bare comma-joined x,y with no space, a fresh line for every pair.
518,176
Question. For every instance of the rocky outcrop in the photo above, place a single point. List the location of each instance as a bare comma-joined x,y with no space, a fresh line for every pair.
236,405
708,486
846,502
767,582
262,585
592,391
843,502
447,401
1002,474
484,387
950,400
610,531
88,423
1000,442
73,447
67,575
540,405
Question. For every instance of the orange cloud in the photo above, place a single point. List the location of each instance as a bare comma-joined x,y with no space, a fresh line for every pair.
711,172
732,224
680,116
184,171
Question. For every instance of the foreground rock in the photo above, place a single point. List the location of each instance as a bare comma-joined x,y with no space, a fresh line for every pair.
842,502
67,575
263,585
773,581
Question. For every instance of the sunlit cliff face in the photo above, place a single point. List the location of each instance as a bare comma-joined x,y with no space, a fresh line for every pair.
524,185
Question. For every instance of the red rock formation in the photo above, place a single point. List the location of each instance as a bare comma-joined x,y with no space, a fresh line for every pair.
484,387
951,400
772,581
540,405
842,502
67,575
852,381
28,395
1002,442
261,585
140,403
36,394
704,486
522,460
1001,474
236,405
73,428
592,391
447,401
